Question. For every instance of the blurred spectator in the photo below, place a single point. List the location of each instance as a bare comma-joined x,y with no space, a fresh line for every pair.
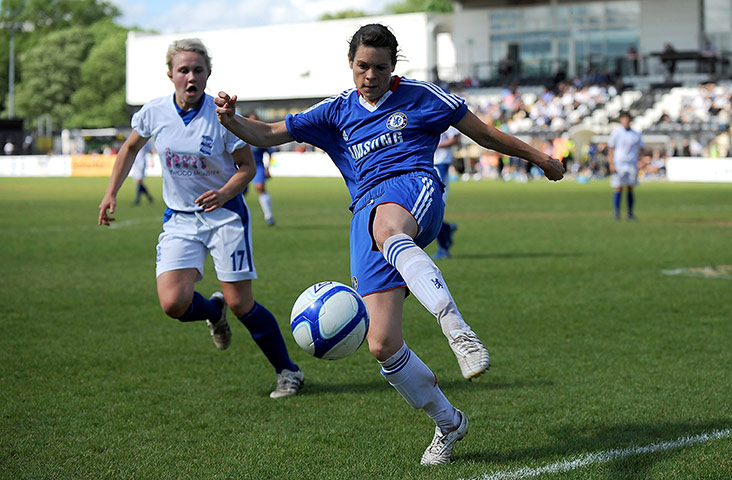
669,59
9,147
631,56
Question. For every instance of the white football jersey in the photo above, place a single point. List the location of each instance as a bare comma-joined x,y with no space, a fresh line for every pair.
196,157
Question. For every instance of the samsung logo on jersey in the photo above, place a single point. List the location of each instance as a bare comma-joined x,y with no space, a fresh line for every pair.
362,149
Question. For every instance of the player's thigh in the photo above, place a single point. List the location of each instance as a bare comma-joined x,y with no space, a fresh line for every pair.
385,322
391,219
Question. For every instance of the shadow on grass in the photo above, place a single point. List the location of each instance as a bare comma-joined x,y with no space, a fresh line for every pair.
456,385
571,442
513,255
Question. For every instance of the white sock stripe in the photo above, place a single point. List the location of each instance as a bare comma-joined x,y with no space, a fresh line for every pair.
396,248
398,364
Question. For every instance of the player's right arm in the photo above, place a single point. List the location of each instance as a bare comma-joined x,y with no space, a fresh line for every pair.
254,132
120,170
610,159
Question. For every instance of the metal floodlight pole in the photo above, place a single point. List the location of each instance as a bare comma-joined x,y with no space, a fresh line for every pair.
11,75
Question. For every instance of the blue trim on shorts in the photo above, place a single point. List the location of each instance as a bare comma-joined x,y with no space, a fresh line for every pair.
238,206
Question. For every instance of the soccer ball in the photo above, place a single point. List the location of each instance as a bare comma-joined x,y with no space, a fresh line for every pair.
329,320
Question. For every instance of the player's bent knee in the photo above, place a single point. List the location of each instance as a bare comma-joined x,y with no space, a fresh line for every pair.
383,350
241,306
174,309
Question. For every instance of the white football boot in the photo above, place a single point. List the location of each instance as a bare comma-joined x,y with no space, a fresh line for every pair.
288,383
440,450
470,352
220,331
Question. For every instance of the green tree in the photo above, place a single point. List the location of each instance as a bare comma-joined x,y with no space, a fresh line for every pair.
35,21
100,99
47,15
409,6
51,72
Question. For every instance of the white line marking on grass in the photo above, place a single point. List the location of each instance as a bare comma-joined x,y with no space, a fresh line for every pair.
132,222
605,457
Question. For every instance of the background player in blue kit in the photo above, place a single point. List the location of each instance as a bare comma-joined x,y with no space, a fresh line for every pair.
449,139
382,136
260,179
624,148
205,169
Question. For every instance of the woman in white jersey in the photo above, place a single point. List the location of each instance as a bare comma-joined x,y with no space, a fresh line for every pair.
205,169
382,136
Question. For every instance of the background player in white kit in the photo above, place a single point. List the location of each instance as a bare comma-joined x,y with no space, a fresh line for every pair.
205,169
138,173
624,148
380,138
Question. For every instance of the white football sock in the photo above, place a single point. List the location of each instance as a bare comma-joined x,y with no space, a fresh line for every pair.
418,385
424,280
265,201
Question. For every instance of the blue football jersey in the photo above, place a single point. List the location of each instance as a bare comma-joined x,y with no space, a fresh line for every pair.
370,143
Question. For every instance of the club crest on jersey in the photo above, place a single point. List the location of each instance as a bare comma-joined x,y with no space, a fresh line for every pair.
396,121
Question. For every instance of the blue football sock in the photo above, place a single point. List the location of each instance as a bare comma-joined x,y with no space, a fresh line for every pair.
266,333
201,308
631,201
616,203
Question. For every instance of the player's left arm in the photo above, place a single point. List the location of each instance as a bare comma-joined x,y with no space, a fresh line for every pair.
213,199
494,139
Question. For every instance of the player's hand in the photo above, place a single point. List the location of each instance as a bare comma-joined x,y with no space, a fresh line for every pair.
225,107
554,169
107,204
211,200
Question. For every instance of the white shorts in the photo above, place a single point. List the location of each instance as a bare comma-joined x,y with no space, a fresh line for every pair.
187,238
624,176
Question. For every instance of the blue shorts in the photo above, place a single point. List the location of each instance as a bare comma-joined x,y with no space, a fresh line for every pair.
418,193
259,177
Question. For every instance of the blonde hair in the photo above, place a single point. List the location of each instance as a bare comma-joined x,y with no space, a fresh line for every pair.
187,45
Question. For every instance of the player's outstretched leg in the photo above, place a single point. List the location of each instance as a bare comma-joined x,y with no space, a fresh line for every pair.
265,201
417,384
425,281
265,331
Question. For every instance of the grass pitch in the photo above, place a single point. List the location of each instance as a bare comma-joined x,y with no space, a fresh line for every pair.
604,335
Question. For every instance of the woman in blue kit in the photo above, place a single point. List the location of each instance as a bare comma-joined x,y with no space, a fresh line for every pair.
382,136
205,169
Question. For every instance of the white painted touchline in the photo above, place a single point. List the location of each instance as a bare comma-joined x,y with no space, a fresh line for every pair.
604,457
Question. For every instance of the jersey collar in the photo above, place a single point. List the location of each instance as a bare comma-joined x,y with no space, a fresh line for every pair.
372,108
189,115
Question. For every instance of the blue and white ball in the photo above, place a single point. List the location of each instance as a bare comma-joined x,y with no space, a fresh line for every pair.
329,320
